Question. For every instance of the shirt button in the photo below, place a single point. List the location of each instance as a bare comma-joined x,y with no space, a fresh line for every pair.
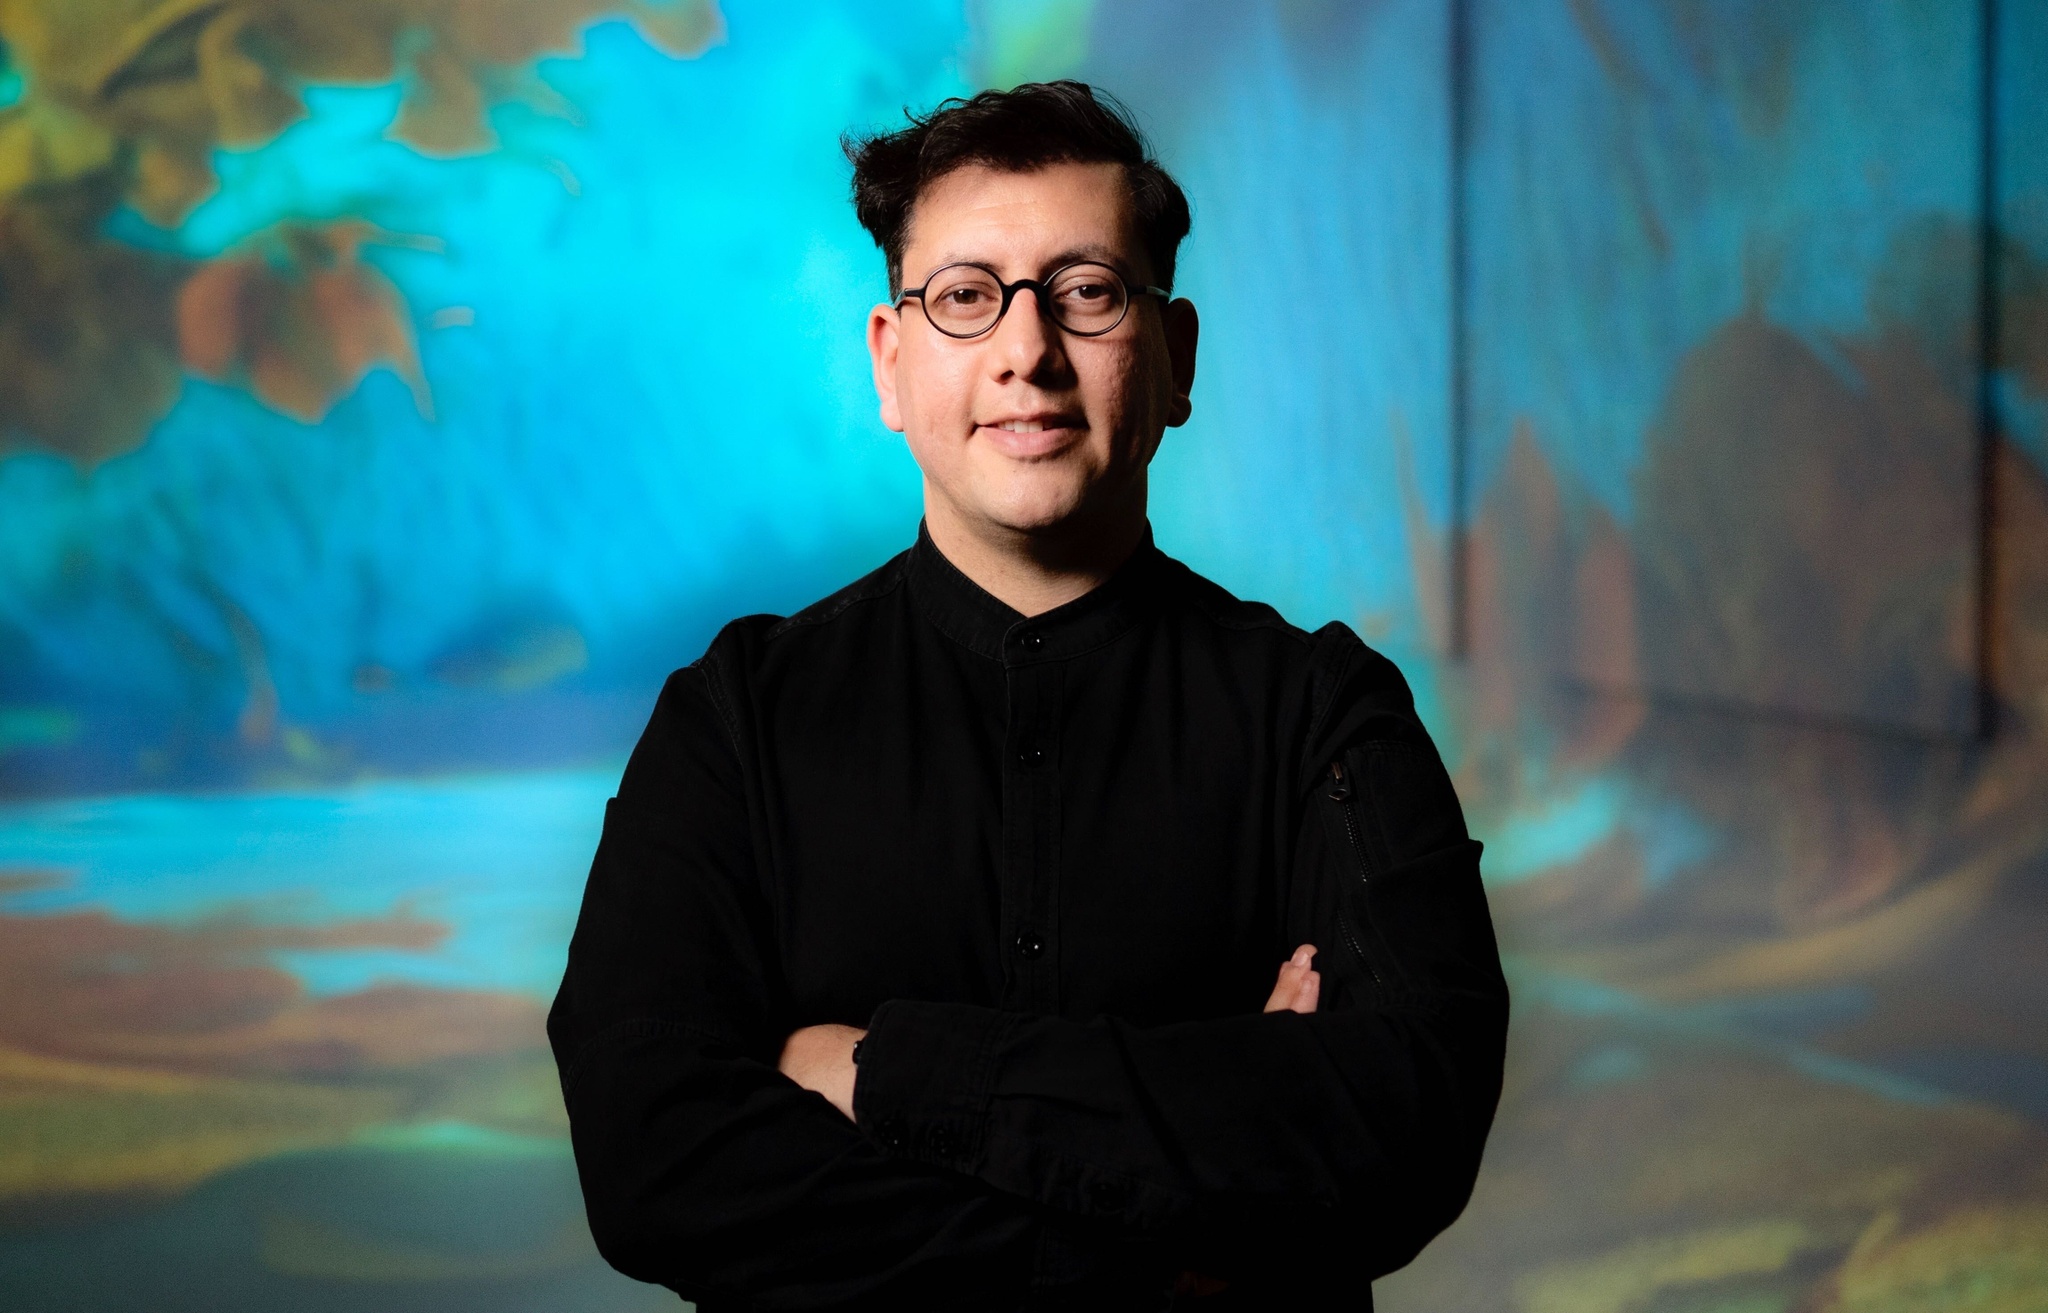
1030,754
1029,944
944,1143
891,1130
1033,642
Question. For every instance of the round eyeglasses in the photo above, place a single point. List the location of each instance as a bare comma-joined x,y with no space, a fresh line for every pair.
1086,299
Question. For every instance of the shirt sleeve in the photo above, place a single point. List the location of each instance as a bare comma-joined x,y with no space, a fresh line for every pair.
1296,1155
705,1169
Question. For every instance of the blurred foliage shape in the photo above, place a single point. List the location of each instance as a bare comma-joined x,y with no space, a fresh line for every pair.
88,356
124,102
299,318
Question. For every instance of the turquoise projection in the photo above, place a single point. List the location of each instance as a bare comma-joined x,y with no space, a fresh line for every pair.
391,394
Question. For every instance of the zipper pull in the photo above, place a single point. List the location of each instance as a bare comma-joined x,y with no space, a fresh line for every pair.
1340,787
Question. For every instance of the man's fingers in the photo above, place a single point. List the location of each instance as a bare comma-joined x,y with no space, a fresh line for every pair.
1308,986
1298,986
1282,997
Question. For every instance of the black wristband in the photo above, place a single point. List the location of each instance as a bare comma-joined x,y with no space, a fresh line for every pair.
856,1049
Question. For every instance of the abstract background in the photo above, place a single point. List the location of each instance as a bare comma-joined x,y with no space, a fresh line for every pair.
391,393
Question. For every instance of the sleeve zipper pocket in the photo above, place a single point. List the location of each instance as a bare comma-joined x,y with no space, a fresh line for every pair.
1343,792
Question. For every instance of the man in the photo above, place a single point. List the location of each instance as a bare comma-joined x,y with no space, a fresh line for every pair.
923,958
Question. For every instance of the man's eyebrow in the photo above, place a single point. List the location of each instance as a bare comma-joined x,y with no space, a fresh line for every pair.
1108,255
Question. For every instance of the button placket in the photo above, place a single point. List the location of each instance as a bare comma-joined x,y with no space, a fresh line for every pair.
1030,830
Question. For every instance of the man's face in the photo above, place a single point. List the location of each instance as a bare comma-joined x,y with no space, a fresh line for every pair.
1028,429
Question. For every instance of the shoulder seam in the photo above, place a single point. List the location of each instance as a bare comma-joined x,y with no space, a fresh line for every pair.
1326,672
1251,615
839,605
714,682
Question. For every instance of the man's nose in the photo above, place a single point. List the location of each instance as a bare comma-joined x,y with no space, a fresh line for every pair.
1027,342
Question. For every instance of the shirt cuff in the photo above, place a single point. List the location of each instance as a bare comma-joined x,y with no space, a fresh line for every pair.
924,1078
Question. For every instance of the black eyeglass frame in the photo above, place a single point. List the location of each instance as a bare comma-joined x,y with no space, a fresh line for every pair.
1131,294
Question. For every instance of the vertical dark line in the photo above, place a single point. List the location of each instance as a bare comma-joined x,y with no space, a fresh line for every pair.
1458,74
1988,316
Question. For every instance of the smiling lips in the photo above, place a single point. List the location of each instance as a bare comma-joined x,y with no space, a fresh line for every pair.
1025,436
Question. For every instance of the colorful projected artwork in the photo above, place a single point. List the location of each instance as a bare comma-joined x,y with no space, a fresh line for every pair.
392,393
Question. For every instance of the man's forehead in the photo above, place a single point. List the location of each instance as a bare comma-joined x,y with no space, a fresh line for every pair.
1055,213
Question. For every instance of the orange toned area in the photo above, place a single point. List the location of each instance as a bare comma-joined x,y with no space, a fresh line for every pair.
126,102
1852,850
1801,1073
299,319
144,1057
1801,672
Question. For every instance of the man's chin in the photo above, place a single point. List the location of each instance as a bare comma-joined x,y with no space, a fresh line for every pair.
1037,525
1031,506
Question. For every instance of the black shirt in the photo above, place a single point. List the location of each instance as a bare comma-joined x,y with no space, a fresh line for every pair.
1053,864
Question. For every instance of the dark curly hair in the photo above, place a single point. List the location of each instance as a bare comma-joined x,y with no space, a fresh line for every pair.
1033,125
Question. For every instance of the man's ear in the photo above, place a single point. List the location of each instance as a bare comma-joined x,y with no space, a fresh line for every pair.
1183,330
885,327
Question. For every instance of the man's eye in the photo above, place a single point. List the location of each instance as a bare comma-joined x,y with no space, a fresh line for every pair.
963,296
1086,293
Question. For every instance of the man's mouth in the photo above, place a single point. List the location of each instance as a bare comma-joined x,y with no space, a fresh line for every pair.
1038,423
1031,437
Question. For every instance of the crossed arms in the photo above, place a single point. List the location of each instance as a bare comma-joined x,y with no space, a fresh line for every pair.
988,1159
821,1058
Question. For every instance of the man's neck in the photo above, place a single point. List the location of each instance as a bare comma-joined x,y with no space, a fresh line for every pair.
1032,573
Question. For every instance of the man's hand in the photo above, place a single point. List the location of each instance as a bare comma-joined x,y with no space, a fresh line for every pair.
1299,985
821,1058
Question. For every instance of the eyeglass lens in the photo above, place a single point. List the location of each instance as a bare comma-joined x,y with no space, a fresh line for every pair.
963,299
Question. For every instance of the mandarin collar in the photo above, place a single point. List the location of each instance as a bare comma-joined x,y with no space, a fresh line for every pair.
983,623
